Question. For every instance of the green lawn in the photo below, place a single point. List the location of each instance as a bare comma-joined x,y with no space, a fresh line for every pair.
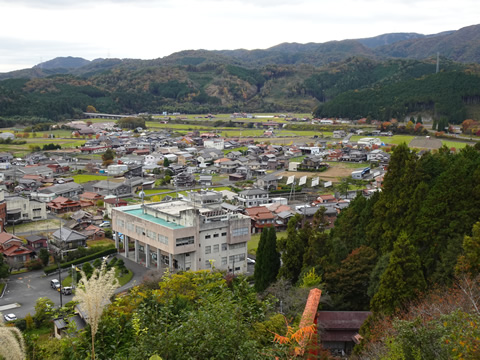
154,191
252,245
456,144
80,179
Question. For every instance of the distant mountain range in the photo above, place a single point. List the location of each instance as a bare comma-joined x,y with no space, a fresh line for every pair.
390,75
462,45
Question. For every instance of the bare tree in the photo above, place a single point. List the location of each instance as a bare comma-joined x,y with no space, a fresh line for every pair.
93,295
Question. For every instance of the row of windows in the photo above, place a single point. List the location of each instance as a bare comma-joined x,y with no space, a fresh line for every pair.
189,240
237,246
215,235
216,248
237,258
240,231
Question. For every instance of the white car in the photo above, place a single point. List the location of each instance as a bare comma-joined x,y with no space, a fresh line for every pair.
9,317
105,224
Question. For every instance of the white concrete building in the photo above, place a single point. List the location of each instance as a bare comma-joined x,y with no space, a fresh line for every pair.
218,144
21,209
189,234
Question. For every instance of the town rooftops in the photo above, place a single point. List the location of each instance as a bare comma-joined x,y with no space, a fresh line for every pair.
253,192
68,235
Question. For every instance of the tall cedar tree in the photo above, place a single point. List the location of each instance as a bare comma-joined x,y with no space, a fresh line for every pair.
348,285
402,279
292,249
267,263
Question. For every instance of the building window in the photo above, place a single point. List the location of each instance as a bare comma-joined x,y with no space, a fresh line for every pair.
224,247
215,235
237,246
216,248
130,226
208,236
208,265
236,258
224,234
224,260
189,240
139,230
163,239
120,223
240,231
208,249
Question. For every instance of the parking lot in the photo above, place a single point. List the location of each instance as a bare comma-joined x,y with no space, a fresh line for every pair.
25,289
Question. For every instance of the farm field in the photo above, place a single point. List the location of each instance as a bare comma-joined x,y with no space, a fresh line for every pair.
83,178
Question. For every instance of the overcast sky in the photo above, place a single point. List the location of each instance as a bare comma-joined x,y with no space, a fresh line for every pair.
33,31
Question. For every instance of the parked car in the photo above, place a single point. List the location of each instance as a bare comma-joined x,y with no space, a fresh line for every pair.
55,284
9,317
105,224
67,290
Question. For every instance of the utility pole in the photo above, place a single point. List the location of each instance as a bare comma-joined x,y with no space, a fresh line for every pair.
438,62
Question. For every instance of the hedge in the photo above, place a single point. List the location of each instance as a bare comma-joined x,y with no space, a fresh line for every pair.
52,268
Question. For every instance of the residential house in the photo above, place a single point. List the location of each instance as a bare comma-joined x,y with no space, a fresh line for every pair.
36,242
13,250
312,163
91,196
106,187
205,180
184,180
228,167
65,240
68,190
327,198
339,134
261,217
93,232
252,197
269,182
61,205
113,202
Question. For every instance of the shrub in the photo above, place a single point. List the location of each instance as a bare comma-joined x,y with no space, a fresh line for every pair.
34,264
107,251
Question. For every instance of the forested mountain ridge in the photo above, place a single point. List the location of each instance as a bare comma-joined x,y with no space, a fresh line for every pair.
354,88
350,78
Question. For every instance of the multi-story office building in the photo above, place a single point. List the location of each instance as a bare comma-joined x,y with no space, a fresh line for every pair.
192,234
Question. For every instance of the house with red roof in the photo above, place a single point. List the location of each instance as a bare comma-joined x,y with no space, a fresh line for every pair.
62,205
261,218
13,249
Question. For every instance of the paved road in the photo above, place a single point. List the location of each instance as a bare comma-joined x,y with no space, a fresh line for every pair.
24,289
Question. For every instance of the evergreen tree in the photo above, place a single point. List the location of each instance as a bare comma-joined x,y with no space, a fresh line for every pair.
267,263
469,262
259,272
292,249
349,284
166,162
419,119
402,279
